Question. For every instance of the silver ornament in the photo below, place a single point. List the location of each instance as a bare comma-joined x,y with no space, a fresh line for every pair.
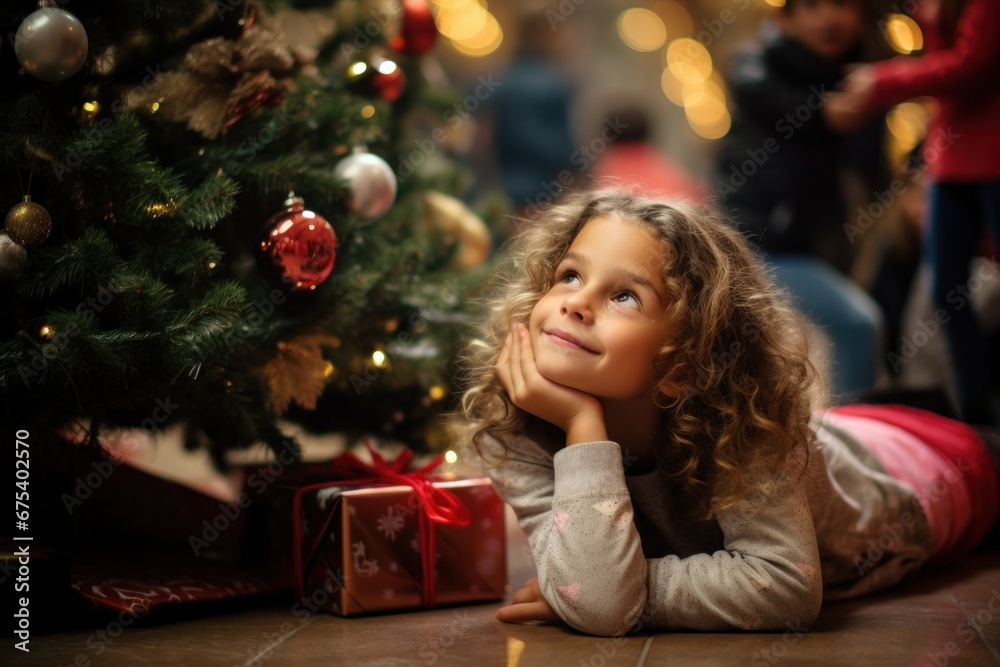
371,181
51,44
12,257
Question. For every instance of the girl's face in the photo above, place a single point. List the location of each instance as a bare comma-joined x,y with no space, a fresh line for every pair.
602,322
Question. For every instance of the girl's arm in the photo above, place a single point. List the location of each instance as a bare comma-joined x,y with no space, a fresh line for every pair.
766,578
577,514
970,63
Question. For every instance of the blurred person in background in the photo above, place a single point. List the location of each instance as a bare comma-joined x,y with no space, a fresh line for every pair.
634,159
961,70
531,114
781,172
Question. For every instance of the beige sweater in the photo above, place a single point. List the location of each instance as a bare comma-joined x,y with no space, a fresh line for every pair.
618,552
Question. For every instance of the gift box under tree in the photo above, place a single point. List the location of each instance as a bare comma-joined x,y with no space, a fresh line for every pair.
378,539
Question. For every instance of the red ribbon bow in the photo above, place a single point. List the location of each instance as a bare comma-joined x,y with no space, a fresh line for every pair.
439,505
436,506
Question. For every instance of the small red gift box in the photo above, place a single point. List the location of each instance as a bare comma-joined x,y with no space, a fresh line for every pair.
391,540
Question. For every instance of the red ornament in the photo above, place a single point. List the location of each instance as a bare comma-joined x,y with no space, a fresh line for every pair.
418,32
299,246
387,79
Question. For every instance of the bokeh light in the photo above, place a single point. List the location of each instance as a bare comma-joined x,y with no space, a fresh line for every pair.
688,60
641,29
902,33
469,25
716,130
907,125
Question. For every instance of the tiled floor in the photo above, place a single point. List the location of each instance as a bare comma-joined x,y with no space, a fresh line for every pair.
915,626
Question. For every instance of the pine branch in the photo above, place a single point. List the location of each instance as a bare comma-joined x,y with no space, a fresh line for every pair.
89,260
181,256
200,331
214,199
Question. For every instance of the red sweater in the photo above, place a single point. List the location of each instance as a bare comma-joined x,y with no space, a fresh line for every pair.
633,163
961,69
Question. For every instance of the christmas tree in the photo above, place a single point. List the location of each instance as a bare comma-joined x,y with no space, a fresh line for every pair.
156,268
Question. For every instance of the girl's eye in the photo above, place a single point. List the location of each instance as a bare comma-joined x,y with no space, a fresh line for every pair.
627,298
567,277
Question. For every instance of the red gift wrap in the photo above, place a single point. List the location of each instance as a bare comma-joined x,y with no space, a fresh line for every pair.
389,540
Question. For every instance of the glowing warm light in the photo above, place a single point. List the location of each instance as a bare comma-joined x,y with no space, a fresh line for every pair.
158,209
463,22
483,43
46,331
357,69
154,107
515,647
451,4
695,94
91,107
675,17
436,393
367,111
378,358
707,111
328,370
469,25
450,456
716,130
902,33
211,265
672,88
775,3
641,29
907,122
688,60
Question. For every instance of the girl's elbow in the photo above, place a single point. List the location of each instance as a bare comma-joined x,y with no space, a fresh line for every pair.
796,610
606,621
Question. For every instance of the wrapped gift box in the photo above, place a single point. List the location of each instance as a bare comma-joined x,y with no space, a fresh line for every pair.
126,541
357,548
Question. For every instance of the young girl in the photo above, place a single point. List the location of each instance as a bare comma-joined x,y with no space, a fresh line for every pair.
642,399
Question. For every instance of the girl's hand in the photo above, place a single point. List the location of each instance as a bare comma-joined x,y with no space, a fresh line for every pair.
528,605
577,413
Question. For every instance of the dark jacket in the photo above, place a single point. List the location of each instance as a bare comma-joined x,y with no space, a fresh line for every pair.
780,169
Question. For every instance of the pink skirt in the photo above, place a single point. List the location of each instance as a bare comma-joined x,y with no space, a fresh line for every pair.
944,461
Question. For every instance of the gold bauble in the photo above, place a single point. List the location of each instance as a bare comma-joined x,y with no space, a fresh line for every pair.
28,223
456,221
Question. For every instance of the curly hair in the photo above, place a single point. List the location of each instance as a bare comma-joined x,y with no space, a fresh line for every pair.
739,353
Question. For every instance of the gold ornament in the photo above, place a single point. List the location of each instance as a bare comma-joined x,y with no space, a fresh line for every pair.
297,372
28,223
224,79
458,222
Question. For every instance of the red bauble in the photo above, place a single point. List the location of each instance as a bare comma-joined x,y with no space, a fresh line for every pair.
387,79
418,32
299,246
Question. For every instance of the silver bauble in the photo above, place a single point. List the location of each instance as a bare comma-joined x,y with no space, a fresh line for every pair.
13,257
371,181
51,44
